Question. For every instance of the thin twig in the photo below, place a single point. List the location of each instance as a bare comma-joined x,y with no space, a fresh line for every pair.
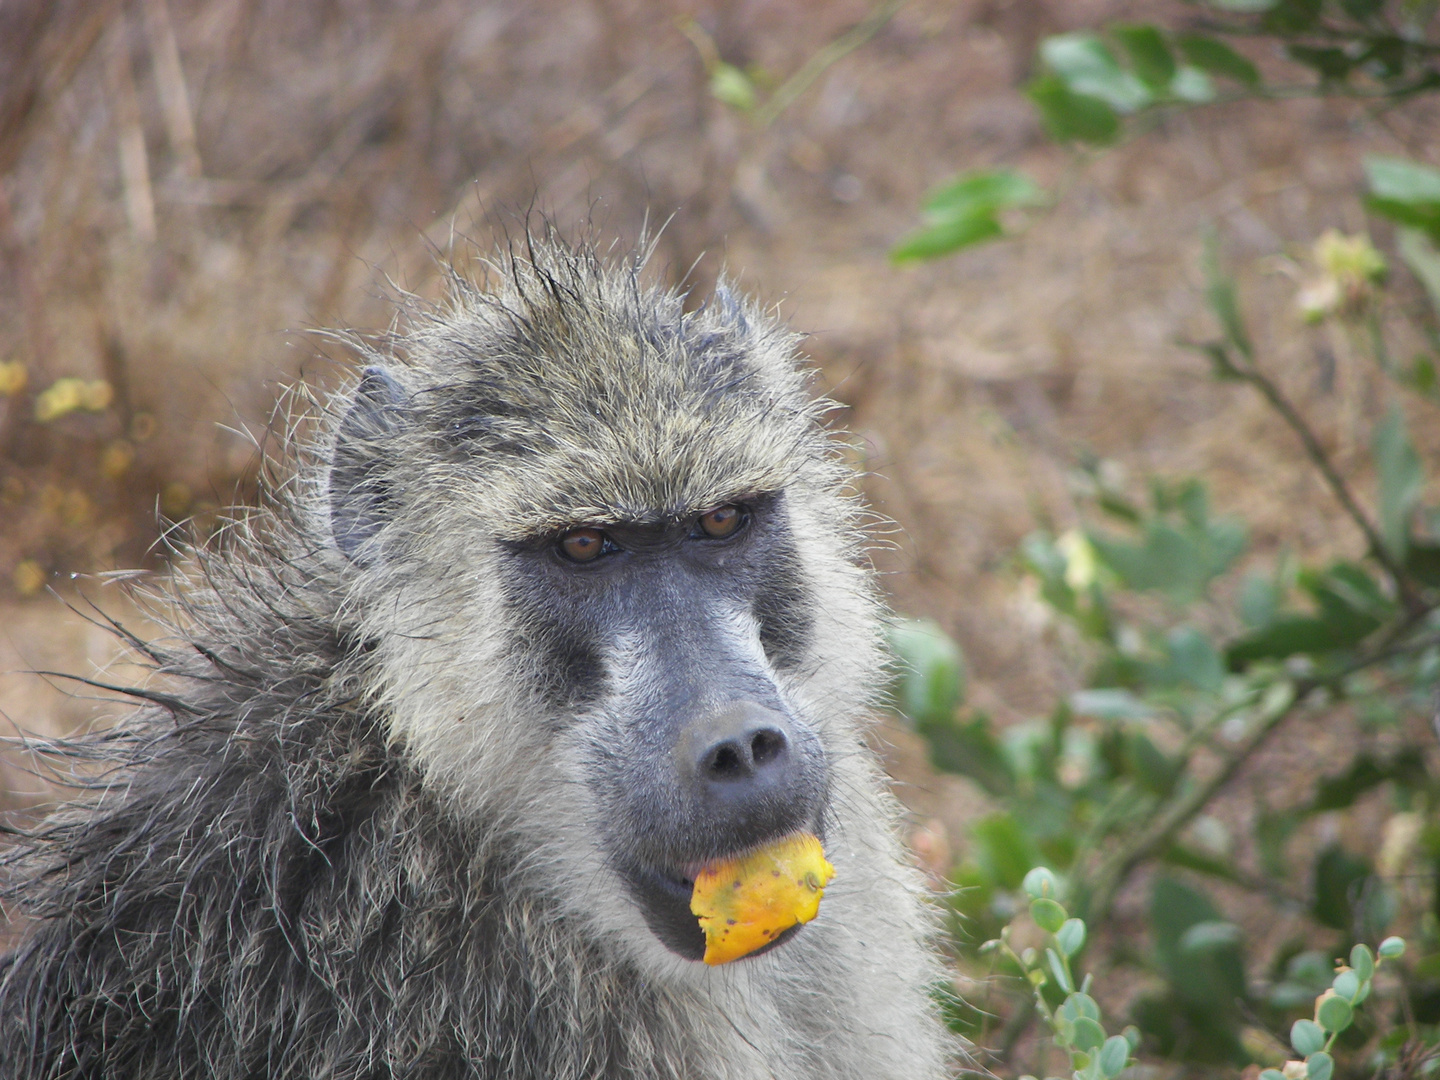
813,68
1114,870
1318,456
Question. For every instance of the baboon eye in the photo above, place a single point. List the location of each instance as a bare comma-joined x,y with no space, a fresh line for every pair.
723,521
583,545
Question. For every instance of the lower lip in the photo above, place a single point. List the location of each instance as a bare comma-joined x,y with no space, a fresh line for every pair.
679,930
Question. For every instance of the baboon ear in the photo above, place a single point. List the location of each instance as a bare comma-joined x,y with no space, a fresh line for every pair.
359,491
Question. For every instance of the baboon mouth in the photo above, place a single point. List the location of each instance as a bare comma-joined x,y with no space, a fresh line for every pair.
663,897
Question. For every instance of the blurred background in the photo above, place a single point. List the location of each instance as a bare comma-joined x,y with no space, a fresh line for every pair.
1104,545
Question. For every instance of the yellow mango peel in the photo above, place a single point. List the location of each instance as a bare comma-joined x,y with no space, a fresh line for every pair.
744,904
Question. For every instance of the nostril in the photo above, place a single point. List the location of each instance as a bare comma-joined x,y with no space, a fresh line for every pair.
725,762
766,745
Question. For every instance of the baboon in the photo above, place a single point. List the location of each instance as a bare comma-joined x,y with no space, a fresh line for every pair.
564,599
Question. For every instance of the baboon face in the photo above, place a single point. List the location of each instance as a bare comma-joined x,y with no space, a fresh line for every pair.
626,497
661,643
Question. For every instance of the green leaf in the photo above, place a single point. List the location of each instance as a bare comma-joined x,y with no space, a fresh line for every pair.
1259,600
1336,873
1362,962
1149,56
1401,479
1292,16
1392,948
1040,884
932,675
1004,852
969,748
1154,770
1306,1037
1332,65
1077,1005
1319,1066
732,86
1048,914
1217,58
1403,181
1179,562
982,188
1192,660
1181,855
1419,253
1271,1074
1334,1013
1114,1056
1071,936
1088,1035
1192,85
1211,936
1220,294
944,237
1203,969
1072,117
1365,773
1406,192
1347,985
1109,704
1349,599
1057,968
964,212
1289,635
1362,10
1087,67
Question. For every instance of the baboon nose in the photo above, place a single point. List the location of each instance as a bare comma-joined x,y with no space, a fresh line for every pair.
747,774
735,758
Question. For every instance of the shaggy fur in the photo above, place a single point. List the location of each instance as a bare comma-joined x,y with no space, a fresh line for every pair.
351,833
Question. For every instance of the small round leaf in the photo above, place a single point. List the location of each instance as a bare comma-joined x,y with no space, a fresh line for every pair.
1039,883
1347,985
1319,1066
1071,936
1363,962
1334,1013
1132,1036
1077,1005
1271,1074
1306,1037
1088,1035
1048,915
1114,1056
1392,948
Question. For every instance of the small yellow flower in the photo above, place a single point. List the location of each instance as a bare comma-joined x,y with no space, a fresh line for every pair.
1349,270
116,459
13,378
1080,560
69,394
62,397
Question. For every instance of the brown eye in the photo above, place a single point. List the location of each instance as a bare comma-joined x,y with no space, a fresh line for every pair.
582,545
723,521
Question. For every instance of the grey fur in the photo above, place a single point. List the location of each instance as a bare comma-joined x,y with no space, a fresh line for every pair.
355,829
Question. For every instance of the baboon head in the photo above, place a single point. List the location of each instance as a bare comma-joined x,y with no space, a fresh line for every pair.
606,581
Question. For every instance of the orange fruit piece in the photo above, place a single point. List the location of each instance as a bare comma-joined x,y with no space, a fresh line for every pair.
746,903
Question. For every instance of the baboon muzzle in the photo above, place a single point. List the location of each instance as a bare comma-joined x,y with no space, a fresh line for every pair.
737,777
